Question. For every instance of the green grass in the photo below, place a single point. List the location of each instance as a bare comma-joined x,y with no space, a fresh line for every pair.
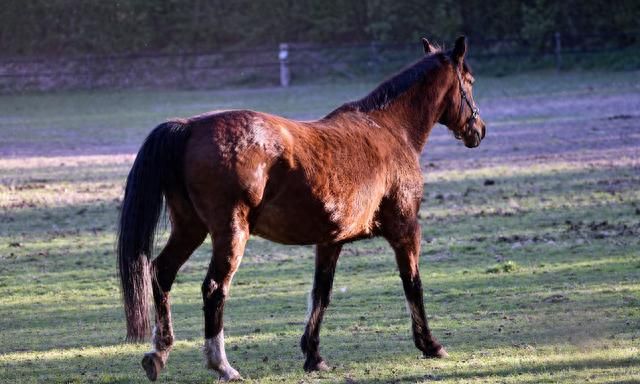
569,312
565,236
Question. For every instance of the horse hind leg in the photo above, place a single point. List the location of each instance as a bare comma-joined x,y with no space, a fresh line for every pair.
229,242
187,233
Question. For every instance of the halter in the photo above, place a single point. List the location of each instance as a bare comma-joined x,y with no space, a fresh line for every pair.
474,110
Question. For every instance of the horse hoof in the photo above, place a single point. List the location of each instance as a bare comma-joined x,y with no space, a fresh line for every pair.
320,366
439,353
152,365
233,375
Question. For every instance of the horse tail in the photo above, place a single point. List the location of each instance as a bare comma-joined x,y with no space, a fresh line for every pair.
158,168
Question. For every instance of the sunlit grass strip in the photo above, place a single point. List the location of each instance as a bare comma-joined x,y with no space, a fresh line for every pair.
79,161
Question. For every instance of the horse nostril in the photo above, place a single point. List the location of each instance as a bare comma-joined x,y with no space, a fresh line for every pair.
484,130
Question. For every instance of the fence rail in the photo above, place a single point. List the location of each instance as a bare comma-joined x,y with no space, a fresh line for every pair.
292,62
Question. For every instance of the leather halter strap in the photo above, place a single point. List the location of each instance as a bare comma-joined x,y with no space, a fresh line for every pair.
474,110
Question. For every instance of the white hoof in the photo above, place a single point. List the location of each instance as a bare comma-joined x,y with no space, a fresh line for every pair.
229,374
216,359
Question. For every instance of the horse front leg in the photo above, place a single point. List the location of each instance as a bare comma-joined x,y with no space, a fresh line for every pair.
406,244
326,260
227,253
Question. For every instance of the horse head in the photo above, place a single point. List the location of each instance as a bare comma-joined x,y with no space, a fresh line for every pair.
461,114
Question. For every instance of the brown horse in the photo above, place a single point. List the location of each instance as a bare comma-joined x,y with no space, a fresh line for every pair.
353,174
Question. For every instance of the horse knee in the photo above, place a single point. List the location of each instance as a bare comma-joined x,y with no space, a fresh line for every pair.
212,291
411,282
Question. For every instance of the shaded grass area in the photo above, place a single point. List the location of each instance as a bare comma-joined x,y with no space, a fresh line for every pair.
568,313
117,121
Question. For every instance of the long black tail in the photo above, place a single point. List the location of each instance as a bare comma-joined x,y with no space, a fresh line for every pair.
158,168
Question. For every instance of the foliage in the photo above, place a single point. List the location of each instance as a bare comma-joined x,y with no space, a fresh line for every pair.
73,27
539,21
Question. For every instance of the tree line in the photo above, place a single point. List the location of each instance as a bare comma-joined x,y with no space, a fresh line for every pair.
71,27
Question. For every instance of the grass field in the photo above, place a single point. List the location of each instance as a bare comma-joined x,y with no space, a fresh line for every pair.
530,256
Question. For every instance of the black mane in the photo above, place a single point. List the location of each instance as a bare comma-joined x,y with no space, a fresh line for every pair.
395,86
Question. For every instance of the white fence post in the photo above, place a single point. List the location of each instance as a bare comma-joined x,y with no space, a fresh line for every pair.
283,56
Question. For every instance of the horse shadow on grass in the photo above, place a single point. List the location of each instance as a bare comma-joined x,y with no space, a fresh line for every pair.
531,373
258,362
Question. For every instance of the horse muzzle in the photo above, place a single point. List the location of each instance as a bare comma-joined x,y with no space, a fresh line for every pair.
474,134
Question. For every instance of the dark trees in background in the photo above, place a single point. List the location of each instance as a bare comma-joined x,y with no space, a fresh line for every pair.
69,27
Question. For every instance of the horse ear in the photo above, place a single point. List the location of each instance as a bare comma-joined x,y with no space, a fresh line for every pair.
428,48
459,49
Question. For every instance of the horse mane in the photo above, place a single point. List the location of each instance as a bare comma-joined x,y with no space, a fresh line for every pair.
394,86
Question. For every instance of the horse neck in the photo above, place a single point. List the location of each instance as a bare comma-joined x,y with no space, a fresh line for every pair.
413,114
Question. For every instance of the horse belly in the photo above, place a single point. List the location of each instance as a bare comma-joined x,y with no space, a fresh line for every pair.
304,218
